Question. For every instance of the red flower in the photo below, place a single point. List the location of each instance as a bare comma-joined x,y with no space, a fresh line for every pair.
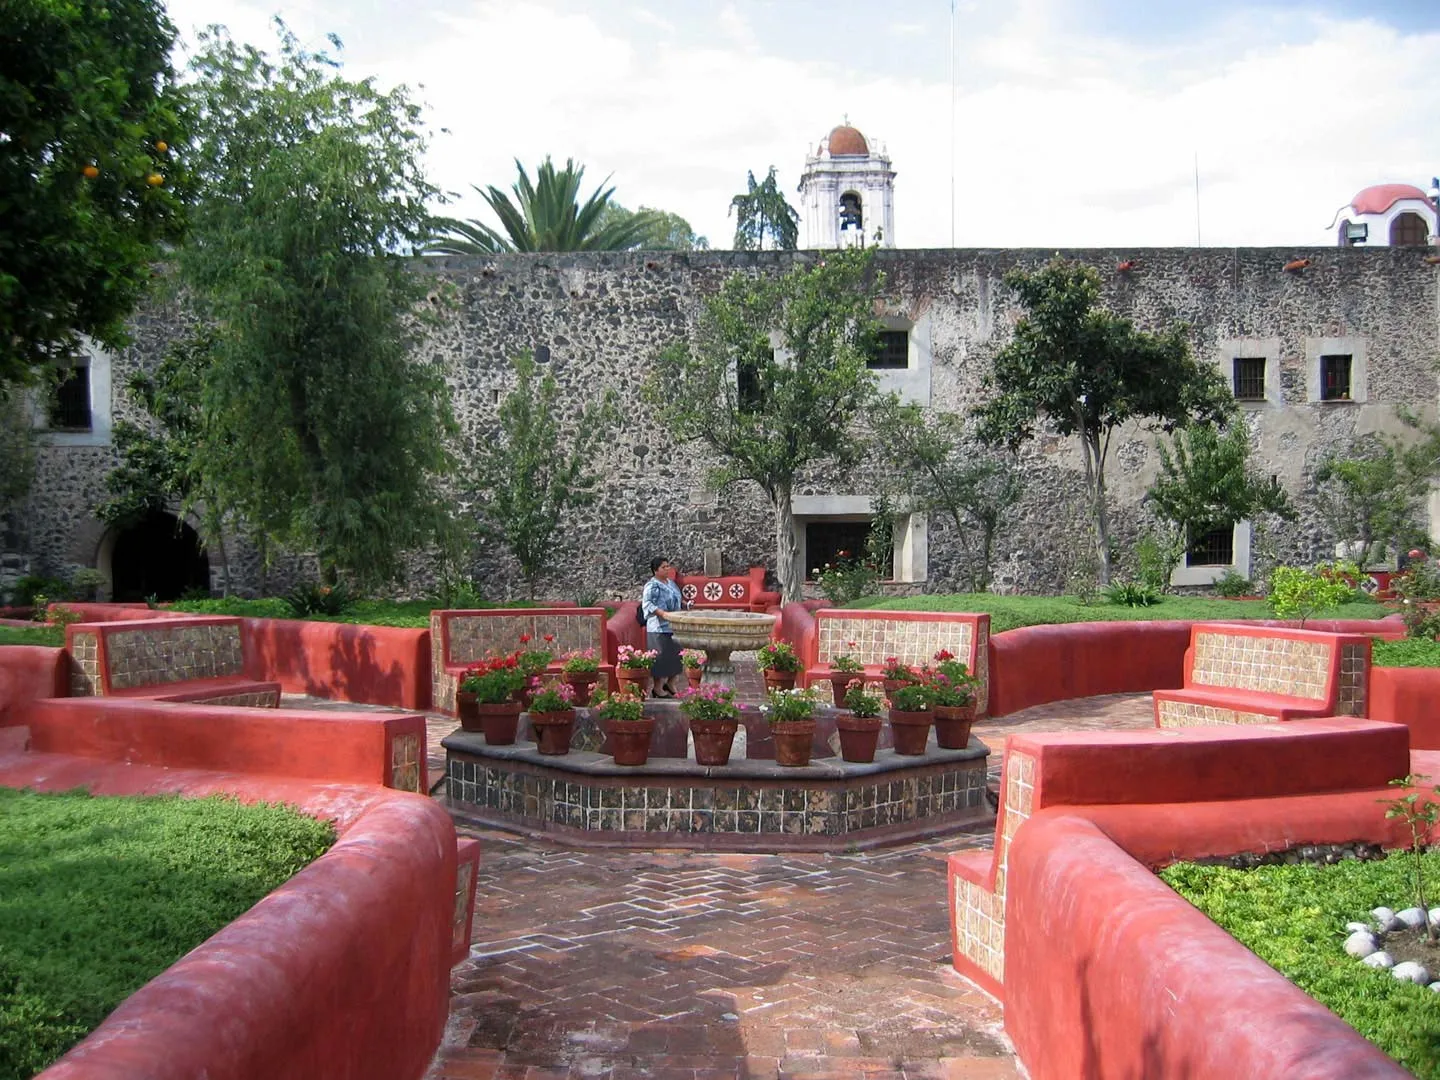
944,654
549,638
524,638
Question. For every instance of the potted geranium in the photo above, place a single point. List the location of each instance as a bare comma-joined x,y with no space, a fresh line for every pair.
952,689
533,662
552,715
581,670
632,666
694,661
792,725
622,715
859,728
896,674
843,670
485,698
714,719
779,664
911,714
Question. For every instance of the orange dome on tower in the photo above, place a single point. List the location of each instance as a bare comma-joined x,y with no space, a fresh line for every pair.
847,140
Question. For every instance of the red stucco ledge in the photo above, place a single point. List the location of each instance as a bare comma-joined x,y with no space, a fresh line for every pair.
342,971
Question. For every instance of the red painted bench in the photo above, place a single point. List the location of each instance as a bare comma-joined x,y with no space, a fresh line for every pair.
1236,674
911,636
199,659
460,638
747,592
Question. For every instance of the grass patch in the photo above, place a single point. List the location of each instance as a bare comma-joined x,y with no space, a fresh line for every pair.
1293,918
98,895
1013,612
1410,652
39,634
408,613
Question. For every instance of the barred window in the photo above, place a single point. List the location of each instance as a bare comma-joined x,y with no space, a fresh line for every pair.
1409,230
893,352
70,408
1335,378
829,541
1214,546
1249,381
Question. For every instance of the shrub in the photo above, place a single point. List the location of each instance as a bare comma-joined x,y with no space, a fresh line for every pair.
709,702
1156,556
847,579
1132,594
314,598
1420,581
32,585
85,584
789,705
777,656
1232,584
913,697
950,682
1295,591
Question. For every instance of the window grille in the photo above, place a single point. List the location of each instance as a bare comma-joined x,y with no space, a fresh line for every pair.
1212,547
1334,378
894,351
1249,378
70,409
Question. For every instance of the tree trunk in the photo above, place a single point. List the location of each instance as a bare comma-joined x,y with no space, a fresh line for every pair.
1095,488
787,552
987,552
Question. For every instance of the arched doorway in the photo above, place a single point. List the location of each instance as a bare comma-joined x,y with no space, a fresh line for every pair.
159,555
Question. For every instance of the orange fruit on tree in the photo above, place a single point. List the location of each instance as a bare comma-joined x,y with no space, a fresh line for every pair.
91,172
162,146
154,179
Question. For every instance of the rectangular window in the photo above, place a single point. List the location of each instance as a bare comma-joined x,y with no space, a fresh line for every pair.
1249,378
748,392
1335,378
70,408
893,352
826,540
1212,547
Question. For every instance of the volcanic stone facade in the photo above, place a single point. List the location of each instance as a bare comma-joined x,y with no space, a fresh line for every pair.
595,321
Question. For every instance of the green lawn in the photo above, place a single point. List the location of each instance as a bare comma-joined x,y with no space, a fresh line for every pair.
37,635
1011,612
100,895
1293,918
1412,652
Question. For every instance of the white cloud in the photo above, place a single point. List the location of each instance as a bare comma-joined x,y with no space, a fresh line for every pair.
1063,138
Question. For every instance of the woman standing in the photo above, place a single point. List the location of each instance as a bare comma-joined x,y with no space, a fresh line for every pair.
660,596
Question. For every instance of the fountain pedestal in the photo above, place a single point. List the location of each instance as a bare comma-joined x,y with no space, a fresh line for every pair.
719,633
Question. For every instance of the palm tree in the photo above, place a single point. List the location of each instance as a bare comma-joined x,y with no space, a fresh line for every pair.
762,211
544,216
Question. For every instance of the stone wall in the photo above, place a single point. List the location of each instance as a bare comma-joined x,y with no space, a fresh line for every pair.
595,320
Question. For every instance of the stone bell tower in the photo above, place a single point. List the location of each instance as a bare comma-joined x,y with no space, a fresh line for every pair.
847,193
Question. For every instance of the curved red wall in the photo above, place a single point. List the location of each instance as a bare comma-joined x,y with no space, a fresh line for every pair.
28,673
1036,664
1409,696
375,665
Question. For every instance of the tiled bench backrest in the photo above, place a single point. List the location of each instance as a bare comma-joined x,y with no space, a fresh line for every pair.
743,591
458,638
1299,663
106,657
913,637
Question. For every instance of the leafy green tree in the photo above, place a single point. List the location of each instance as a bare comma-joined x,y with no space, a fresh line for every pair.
545,215
534,471
91,186
1296,591
762,211
1373,496
1206,482
797,404
17,450
930,461
667,231
311,190
1085,371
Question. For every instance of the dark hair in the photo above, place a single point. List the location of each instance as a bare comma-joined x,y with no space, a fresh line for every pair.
657,562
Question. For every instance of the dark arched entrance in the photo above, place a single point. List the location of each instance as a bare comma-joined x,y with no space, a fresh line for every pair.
160,556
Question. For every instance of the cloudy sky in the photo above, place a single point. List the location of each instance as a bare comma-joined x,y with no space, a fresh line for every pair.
1077,122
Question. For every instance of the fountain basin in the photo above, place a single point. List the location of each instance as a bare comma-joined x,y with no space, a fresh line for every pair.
719,633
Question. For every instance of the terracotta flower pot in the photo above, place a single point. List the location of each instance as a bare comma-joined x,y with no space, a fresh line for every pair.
639,678
952,725
694,675
840,685
499,722
713,740
553,730
859,736
779,680
891,685
793,741
465,710
911,731
630,740
583,682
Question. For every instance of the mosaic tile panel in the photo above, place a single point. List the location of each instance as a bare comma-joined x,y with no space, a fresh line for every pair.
405,762
688,808
473,637
1354,669
459,925
84,664
1270,665
914,641
159,654
1191,714
442,683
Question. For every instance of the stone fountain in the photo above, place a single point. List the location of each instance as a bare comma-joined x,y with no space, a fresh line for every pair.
720,632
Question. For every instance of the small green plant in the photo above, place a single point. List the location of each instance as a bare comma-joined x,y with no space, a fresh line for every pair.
709,702
459,593
40,608
580,662
31,585
1420,812
314,598
587,598
846,662
535,661
1132,594
620,708
893,669
85,584
495,680
61,616
1232,584
913,697
786,706
847,579
633,659
862,702
692,659
554,696
1295,591
777,656
1157,554
950,682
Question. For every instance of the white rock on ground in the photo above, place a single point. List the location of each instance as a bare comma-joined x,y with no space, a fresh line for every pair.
1361,944
1351,927
1413,917
1385,919
1410,971
1380,959
1435,986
